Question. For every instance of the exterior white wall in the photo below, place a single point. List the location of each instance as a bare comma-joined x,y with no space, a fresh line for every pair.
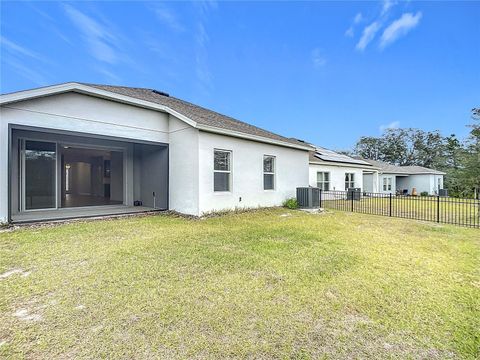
183,168
421,183
370,182
3,171
90,115
380,183
438,182
337,175
247,173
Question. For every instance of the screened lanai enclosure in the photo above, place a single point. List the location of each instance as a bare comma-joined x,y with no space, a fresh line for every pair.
88,176
91,177
62,175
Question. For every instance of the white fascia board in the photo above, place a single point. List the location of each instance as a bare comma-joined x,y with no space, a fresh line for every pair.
394,174
431,173
428,173
34,93
88,90
345,164
238,134
412,174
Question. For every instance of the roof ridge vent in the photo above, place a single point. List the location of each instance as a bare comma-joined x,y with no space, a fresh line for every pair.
160,92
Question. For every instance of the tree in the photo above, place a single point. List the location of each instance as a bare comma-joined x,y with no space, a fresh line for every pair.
476,113
471,162
452,164
453,153
369,147
459,159
404,147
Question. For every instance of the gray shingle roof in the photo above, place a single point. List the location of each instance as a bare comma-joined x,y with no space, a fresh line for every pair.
407,170
194,112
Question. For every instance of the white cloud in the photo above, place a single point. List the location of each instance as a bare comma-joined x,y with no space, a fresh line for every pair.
50,23
201,38
207,5
392,125
27,72
168,18
109,75
19,50
399,28
358,18
317,58
202,69
100,39
350,32
387,5
368,35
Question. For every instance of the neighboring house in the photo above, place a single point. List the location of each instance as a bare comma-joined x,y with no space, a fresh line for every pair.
75,149
333,171
403,179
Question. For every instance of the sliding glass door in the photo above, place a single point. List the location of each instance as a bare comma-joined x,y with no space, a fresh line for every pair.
39,178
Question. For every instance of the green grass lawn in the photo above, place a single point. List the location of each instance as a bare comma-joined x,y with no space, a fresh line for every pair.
265,284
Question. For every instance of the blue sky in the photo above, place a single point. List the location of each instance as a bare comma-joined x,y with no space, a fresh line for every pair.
326,72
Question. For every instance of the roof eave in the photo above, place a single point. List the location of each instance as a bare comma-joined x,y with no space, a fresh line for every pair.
238,134
89,90
344,164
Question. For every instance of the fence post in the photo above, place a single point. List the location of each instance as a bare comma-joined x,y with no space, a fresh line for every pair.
320,198
478,214
390,204
438,208
352,195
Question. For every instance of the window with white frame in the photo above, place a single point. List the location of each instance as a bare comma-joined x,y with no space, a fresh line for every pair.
387,184
268,172
222,170
349,180
323,180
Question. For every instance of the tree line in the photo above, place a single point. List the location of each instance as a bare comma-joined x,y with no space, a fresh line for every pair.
458,158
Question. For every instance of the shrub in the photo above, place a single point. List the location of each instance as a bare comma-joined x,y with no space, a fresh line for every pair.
424,193
291,203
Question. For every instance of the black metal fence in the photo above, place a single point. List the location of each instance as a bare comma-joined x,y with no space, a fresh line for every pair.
447,210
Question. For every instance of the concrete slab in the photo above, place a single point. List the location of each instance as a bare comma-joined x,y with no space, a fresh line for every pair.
75,213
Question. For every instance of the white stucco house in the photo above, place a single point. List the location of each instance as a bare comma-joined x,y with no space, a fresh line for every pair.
329,170
75,149
408,179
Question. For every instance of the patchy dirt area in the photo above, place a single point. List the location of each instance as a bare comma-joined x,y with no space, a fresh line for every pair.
27,315
315,211
13,272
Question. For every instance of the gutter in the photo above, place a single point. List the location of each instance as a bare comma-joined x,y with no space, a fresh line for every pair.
326,163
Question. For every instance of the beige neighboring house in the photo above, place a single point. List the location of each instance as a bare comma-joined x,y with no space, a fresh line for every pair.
404,179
